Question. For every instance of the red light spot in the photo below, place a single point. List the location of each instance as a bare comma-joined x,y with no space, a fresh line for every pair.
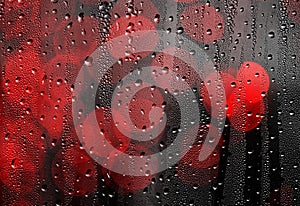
17,170
252,82
128,184
191,158
244,94
243,115
103,127
203,23
20,16
144,102
213,83
80,38
127,47
22,79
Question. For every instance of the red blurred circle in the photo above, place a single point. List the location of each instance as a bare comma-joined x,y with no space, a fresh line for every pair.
202,23
17,169
23,75
19,202
20,15
91,131
25,128
52,118
144,106
214,82
64,67
191,158
116,72
54,13
127,26
145,110
56,93
74,172
79,38
21,4
252,82
124,183
283,196
244,115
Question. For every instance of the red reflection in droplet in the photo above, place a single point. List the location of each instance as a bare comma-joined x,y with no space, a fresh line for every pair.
127,26
202,23
74,172
252,82
196,176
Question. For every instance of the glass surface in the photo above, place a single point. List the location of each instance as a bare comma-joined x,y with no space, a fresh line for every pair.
149,102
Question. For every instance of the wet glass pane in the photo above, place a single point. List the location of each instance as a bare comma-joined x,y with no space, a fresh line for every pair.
149,102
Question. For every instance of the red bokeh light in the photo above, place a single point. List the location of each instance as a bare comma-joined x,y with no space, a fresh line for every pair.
127,26
104,126
125,183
